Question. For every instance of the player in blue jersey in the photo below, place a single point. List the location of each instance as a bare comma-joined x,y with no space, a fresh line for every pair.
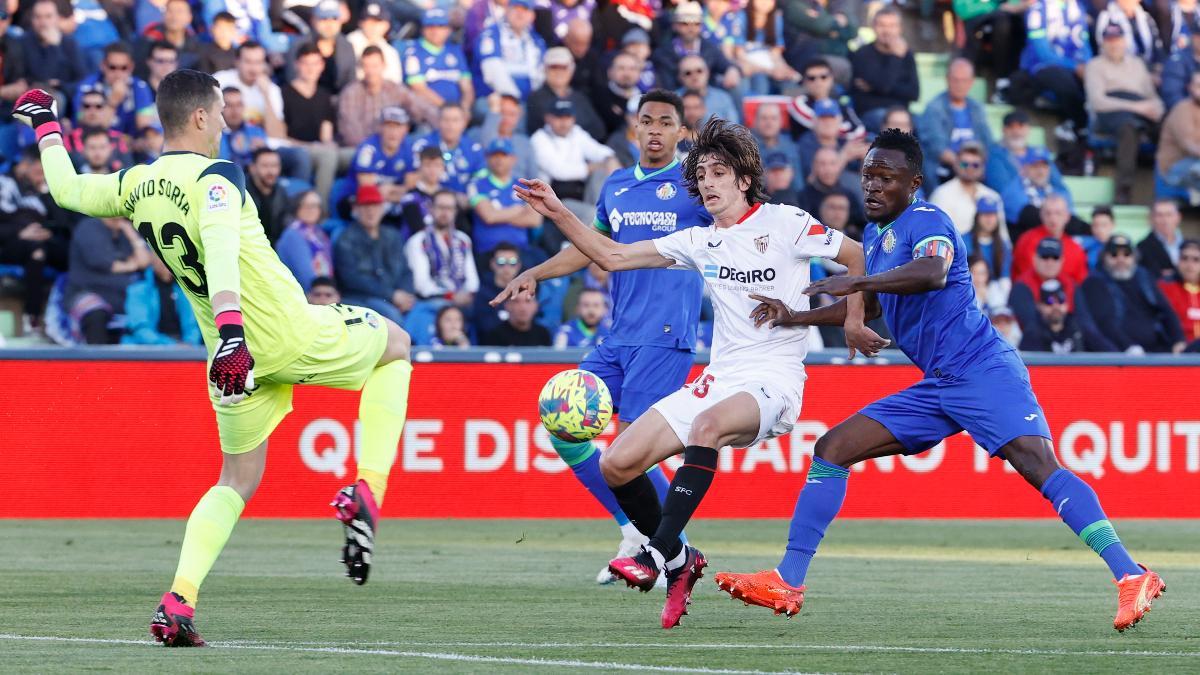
649,351
973,380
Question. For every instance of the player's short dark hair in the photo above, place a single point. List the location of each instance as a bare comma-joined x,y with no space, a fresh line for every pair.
894,139
224,17
308,49
180,94
118,47
372,50
95,131
429,152
505,246
323,281
163,44
734,146
259,152
816,62
249,44
663,96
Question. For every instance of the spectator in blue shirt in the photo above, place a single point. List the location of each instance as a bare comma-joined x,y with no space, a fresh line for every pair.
386,160
1177,71
1103,226
156,310
1056,50
950,120
435,69
498,215
693,73
508,58
589,326
464,157
1004,156
1024,196
130,96
253,21
240,138
304,247
686,23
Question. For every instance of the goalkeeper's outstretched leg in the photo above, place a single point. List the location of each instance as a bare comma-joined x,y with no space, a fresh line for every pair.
381,410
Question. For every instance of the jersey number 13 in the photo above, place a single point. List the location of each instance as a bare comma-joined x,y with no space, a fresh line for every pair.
174,238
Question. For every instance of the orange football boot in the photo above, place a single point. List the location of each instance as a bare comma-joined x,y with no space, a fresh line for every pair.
1134,596
765,589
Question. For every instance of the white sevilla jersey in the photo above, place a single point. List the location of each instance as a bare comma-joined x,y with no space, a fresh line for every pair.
767,252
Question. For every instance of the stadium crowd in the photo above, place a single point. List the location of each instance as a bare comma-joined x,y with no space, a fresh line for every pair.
381,140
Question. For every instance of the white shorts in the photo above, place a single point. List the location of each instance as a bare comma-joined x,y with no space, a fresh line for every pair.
777,408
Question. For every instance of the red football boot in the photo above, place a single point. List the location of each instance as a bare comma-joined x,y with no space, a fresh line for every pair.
172,624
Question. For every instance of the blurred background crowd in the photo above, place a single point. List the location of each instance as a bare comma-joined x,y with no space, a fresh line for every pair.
381,140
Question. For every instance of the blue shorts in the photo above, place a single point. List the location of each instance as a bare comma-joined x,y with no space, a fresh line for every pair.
994,403
638,376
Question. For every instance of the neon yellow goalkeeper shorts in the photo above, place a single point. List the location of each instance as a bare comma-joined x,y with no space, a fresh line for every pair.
350,340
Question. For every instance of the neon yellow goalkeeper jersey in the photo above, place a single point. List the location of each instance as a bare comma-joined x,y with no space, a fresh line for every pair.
196,215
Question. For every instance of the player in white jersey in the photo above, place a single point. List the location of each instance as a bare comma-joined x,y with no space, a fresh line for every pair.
751,390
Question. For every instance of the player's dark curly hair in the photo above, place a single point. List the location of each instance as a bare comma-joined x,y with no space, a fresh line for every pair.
734,146
894,139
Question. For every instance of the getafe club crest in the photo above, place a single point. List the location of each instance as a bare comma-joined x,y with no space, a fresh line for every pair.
761,243
889,241
665,191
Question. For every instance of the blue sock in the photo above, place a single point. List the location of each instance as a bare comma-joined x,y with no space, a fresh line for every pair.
585,463
816,507
1077,504
661,483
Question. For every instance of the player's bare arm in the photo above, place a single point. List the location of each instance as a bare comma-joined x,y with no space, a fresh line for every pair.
859,338
608,254
779,314
567,261
919,276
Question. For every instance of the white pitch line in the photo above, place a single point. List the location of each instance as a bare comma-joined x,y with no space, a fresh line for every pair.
378,648
437,656
798,647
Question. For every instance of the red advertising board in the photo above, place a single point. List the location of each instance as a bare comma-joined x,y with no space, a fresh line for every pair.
138,439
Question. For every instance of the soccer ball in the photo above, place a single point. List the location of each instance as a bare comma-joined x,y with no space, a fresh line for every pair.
575,406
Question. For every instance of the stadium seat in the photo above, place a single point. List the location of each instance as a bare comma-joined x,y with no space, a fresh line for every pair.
1089,191
1133,220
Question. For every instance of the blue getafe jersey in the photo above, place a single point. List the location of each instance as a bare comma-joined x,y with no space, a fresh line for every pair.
371,158
442,70
943,332
464,163
659,306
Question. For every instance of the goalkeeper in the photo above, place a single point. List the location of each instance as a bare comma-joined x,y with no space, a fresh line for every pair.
261,334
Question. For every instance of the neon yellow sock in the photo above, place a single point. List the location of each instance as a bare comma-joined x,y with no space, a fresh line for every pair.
382,409
208,529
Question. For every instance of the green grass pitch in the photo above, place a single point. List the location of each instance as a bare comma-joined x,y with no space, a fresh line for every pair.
518,596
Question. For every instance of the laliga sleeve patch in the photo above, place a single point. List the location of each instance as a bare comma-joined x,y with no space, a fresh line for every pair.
218,198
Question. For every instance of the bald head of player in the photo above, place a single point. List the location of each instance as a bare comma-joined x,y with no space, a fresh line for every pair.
891,175
189,107
660,127
724,171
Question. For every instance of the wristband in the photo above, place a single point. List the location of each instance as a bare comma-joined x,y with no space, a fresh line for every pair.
229,324
45,129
